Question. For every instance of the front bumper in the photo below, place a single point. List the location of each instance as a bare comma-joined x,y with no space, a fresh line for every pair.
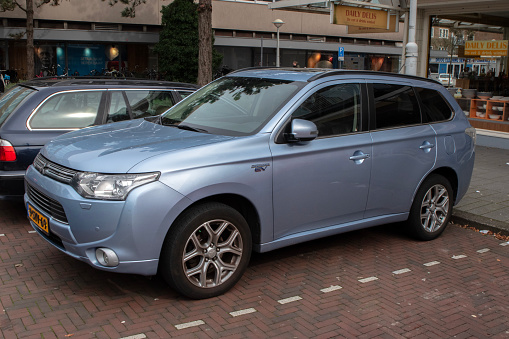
134,229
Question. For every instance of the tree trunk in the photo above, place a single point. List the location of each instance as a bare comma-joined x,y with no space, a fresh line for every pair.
205,42
30,39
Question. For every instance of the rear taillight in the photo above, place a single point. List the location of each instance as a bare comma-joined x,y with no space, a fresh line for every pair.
7,152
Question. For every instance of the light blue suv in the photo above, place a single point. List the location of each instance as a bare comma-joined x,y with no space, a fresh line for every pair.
257,160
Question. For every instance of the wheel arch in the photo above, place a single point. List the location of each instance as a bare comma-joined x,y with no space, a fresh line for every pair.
450,174
238,202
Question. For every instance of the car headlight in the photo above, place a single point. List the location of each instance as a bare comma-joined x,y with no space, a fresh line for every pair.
109,186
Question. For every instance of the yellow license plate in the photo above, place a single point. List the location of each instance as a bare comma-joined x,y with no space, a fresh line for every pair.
40,220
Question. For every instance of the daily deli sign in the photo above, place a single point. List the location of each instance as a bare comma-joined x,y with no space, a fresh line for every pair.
486,48
357,16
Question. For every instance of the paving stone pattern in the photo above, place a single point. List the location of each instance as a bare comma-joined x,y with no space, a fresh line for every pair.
488,194
374,283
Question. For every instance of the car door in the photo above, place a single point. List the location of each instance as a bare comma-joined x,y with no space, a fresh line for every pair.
404,148
323,182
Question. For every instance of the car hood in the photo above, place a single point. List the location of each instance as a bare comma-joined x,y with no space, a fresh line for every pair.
115,148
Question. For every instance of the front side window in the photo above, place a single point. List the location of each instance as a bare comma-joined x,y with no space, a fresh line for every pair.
67,110
335,110
232,105
395,105
434,106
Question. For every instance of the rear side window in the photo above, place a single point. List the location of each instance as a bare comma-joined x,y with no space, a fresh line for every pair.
67,110
335,110
434,106
395,105
11,100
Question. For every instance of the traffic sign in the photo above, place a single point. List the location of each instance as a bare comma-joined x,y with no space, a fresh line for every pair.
341,54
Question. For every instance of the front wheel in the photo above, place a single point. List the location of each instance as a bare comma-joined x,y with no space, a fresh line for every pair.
206,251
432,208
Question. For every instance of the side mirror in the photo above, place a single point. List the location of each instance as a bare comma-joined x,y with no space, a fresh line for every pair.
302,130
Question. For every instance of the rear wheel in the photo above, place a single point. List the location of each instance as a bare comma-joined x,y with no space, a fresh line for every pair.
432,208
206,251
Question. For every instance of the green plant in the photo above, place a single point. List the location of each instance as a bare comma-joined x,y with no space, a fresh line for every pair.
177,48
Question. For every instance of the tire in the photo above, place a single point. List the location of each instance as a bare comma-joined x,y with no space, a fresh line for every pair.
431,209
206,251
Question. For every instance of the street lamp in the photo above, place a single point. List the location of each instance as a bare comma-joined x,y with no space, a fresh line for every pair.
278,23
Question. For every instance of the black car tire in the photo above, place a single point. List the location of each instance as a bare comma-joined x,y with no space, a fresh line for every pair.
206,251
432,208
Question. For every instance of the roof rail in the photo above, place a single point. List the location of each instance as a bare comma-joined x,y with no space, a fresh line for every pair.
102,80
326,72
347,71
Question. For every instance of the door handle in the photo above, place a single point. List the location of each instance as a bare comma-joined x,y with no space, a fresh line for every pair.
427,146
358,157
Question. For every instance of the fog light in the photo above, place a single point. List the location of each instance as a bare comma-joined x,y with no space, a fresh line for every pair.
106,257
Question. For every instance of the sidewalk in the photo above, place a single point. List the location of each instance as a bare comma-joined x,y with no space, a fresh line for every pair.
486,204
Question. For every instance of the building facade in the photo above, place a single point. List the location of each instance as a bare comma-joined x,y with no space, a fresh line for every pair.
79,37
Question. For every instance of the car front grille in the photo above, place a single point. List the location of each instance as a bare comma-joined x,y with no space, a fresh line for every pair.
52,170
46,204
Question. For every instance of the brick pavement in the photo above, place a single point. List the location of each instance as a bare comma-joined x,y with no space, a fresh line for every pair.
366,284
488,194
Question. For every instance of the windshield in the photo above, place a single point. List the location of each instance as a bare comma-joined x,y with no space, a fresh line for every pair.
12,99
232,105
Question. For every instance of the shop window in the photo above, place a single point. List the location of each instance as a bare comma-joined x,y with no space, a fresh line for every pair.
241,34
79,25
299,37
132,28
68,110
16,23
221,32
51,24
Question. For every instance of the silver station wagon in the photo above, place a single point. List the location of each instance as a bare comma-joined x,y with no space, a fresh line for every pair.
257,160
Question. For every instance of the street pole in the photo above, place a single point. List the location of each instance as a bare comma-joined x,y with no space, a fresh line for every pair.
278,23
411,46
261,52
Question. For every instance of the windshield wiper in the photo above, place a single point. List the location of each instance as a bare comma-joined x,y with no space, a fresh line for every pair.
188,128
155,119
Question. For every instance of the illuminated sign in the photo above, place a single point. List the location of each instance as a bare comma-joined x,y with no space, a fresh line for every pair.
356,16
486,47
393,27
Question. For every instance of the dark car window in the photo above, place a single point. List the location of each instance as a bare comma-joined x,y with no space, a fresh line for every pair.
12,99
334,110
434,106
149,102
67,110
395,105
